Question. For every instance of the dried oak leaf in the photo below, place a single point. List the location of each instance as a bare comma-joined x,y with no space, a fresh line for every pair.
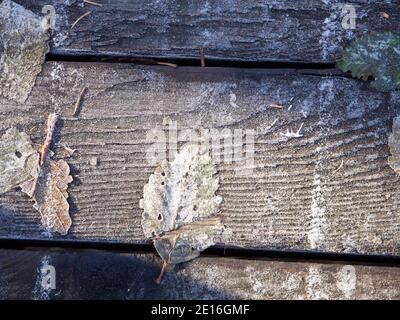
18,159
180,206
49,191
23,45
374,55
394,145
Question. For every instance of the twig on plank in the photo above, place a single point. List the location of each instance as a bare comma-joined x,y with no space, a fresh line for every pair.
78,102
51,125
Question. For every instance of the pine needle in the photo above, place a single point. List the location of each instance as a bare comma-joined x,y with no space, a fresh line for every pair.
93,3
276,106
80,18
173,65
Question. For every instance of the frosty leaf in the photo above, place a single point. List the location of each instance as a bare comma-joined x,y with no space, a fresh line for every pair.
49,191
376,55
188,241
18,159
180,204
394,145
23,46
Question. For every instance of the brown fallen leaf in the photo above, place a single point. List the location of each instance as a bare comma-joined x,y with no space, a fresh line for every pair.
49,191
180,206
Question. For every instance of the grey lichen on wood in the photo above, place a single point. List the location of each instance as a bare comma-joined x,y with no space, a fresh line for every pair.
180,204
23,46
18,159
394,145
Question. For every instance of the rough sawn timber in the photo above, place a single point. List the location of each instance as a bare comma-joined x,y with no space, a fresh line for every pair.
330,189
106,275
307,31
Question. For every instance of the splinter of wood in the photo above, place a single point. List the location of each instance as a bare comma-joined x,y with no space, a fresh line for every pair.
51,125
161,275
78,102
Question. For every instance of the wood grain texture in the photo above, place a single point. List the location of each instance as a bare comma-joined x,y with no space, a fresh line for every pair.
295,198
271,30
105,275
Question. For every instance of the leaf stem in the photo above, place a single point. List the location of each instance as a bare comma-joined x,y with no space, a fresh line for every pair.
161,275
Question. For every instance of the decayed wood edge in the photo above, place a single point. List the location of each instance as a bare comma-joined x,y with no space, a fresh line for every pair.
123,102
277,30
107,275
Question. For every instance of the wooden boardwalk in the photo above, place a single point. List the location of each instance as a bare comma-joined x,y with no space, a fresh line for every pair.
330,190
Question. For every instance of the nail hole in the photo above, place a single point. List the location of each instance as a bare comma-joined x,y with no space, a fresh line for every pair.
163,174
162,183
18,154
194,208
159,217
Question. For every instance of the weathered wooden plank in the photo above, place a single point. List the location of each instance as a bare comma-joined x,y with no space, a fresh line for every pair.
271,30
296,197
105,275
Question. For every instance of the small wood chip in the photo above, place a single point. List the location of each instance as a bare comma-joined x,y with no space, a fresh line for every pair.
78,102
51,125
385,15
80,18
202,59
93,161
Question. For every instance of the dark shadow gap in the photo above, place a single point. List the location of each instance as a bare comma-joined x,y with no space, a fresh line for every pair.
215,251
185,62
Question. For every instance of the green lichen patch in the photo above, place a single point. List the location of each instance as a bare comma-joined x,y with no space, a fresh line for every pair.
375,55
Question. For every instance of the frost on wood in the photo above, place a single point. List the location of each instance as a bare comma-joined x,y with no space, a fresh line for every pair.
18,159
376,55
49,191
23,46
180,204
394,145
